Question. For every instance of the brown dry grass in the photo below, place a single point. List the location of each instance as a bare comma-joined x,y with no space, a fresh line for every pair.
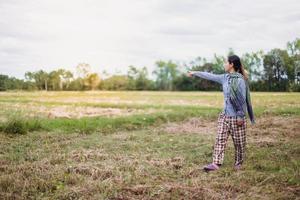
69,111
268,128
126,165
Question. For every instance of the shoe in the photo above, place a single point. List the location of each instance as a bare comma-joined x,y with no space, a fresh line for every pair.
211,167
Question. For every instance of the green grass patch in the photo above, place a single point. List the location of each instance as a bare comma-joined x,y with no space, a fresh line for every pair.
133,122
18,125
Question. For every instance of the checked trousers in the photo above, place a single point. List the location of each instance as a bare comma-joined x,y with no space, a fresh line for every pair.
227,125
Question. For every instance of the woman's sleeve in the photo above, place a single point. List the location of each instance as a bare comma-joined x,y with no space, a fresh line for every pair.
242,98
219,78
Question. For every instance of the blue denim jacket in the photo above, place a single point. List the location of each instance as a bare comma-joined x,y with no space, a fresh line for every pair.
224,80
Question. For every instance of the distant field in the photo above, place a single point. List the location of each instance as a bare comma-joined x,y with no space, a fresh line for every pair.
142,145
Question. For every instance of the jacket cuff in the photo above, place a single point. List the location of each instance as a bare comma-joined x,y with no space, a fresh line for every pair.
195,74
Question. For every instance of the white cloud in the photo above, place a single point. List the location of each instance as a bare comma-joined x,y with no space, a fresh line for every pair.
111,35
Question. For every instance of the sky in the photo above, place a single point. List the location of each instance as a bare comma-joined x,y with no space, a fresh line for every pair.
111,35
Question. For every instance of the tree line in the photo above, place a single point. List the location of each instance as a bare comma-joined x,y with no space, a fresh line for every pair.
276,70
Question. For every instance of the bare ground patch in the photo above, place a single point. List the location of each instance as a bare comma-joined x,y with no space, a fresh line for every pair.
268,129
69,111
191,125
79,112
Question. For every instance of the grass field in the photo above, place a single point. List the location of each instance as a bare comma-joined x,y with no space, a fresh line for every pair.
142,145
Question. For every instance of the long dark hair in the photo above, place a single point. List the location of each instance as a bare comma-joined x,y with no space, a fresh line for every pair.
237,65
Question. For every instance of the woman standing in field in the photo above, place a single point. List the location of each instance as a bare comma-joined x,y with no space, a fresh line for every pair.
232,119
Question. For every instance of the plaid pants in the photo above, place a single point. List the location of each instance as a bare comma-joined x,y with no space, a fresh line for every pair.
227,125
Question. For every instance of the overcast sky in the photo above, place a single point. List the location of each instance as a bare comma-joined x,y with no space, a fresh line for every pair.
111,35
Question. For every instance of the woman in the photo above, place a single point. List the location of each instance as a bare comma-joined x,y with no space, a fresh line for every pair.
232,120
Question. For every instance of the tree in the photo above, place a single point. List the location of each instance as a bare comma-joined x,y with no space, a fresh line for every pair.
61,79
83,70
218,64
201,64
293,47
230,52
138,79
66,77
40,78
115,82
275,69
253,63
55,80
3,82
92,81
166,73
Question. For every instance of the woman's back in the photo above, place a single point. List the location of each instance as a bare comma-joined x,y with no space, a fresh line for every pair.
225,80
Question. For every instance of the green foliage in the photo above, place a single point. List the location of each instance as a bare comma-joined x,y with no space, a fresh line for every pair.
138,79
19,125
115,82
276,70
15,126
165,73
85,127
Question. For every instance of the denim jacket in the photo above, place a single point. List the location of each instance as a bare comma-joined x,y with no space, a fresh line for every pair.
224,80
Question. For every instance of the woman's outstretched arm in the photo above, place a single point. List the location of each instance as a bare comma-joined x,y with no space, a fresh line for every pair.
219,78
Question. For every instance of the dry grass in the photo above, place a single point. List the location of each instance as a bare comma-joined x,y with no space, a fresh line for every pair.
141,164
69,111
191,125
155,162
271,127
